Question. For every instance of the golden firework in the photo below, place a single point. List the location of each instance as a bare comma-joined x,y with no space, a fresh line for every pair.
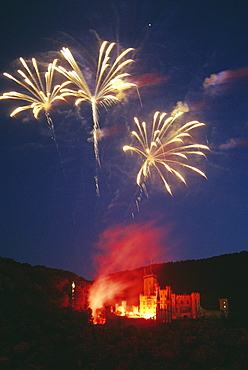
40,92
109,82
164,149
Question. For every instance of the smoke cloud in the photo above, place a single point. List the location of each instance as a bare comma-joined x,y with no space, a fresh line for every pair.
233,143
225,80
122,248
128,247
180,107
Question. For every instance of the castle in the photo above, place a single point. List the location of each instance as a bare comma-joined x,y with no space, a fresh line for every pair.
155,303
164,305
161,305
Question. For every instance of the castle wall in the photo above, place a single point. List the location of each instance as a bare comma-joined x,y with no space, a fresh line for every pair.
148,305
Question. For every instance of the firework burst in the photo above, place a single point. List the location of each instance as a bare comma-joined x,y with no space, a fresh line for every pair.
109,82
40,91
164,149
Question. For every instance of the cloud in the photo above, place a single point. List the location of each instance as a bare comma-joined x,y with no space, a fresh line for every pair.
226,80
216,79
233,143
180,107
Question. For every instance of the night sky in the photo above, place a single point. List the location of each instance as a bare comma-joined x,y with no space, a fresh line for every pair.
195,52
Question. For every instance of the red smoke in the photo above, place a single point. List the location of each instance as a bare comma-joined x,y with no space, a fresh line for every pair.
123,248
148,79
226,76
128,247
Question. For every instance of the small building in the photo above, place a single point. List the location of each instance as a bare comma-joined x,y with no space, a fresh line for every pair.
224,306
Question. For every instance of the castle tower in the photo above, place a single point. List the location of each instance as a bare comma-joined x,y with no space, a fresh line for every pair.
148,300
195,305
150,281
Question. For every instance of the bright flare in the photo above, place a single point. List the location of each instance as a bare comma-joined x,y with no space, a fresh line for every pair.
40,90
164,149
109,82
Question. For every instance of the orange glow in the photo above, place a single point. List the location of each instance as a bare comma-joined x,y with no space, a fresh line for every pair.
148,316
108,299
101,292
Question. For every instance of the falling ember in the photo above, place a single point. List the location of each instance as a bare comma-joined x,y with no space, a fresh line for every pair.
163,149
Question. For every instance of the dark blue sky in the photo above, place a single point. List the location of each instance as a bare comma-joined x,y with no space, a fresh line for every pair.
50,214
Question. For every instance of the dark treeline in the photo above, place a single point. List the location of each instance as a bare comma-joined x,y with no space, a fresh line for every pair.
40,330
38,326
223,276
22,284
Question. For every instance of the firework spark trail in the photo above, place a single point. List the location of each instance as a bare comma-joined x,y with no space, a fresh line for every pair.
164,149
41,93
109,82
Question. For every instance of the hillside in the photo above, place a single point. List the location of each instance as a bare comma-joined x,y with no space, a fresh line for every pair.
38,330
223,276
22,284
35,316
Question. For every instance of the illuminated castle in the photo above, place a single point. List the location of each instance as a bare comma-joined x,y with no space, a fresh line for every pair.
163,305
155,303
